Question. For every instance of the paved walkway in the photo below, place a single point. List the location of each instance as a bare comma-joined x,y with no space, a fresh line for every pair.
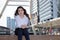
32,37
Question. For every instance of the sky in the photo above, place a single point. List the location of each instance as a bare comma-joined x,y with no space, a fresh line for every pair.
10,10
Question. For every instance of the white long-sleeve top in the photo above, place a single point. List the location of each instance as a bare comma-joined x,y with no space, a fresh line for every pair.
21,21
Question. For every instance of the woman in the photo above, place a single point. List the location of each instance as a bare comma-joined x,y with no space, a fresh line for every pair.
22,20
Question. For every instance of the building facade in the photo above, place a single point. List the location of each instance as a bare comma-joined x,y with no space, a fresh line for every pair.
11,23
44,10
48,9
33,11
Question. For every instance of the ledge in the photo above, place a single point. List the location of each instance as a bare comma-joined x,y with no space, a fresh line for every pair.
32,37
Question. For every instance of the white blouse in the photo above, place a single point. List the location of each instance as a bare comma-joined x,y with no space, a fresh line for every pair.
21,21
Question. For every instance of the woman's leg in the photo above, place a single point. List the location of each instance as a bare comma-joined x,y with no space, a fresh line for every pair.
26,34
20,34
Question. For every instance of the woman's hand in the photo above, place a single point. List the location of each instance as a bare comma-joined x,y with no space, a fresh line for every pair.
23,26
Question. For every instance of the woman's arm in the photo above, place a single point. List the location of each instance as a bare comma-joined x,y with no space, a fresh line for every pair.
26,23
24,26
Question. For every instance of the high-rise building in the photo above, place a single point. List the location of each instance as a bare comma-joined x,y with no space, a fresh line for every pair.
48,9
11,23
45,10
33,6
8,22
58,3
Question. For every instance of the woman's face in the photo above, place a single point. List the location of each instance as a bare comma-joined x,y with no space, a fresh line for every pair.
21,11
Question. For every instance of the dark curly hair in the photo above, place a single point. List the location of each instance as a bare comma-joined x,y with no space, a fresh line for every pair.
25,13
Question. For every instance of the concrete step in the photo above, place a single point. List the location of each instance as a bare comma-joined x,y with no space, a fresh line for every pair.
32,37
